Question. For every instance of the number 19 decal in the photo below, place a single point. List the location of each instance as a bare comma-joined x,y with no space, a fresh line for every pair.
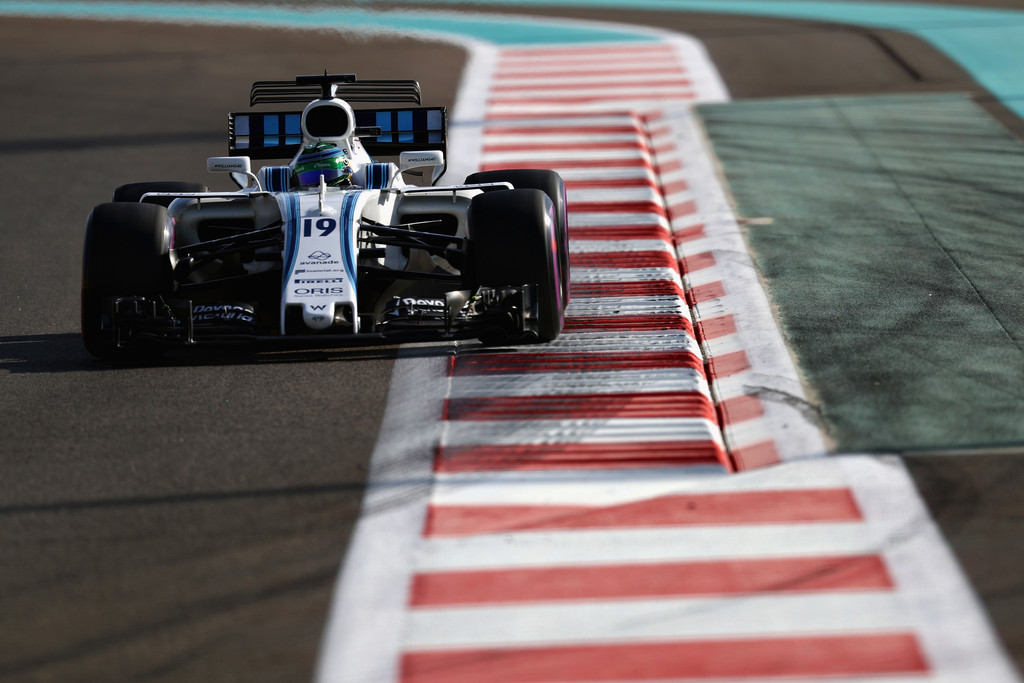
325,225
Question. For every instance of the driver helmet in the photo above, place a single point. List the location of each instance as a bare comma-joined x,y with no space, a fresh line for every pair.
322,159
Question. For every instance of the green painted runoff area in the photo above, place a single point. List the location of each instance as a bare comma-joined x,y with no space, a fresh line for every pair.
894,254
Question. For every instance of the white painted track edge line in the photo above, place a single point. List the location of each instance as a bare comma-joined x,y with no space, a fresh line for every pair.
367,613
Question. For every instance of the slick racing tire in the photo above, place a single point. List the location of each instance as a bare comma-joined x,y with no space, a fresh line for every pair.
132,192
125,254
512,242
553,186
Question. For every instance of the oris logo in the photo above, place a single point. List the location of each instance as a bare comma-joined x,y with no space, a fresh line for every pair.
317,291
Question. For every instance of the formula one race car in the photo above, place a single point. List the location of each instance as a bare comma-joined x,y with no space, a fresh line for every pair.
332,246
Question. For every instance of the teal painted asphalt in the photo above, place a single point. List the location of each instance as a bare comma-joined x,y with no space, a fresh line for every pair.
491,29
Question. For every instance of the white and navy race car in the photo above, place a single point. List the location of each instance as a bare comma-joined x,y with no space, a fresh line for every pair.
334,245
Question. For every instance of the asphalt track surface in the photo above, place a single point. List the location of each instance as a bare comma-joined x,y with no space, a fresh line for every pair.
185,521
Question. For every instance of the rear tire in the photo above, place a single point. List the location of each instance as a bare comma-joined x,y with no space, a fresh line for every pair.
512,241
132,192
125,254
553,186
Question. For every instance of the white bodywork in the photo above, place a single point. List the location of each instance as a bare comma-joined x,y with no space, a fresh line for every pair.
320,257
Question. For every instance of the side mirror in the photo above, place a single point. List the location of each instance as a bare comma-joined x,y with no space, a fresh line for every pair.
240,169
424,159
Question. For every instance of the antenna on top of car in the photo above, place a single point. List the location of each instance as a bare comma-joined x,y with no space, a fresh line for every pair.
327,82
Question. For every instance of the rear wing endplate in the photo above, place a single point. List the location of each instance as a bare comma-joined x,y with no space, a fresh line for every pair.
383,132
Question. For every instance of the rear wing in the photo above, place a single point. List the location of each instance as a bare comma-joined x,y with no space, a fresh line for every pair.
344,86
383,132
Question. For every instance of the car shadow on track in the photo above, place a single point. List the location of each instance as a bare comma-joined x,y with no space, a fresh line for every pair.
61,353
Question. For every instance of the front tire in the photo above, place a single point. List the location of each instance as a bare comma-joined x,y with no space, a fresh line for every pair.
551,184
125,254
512,242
